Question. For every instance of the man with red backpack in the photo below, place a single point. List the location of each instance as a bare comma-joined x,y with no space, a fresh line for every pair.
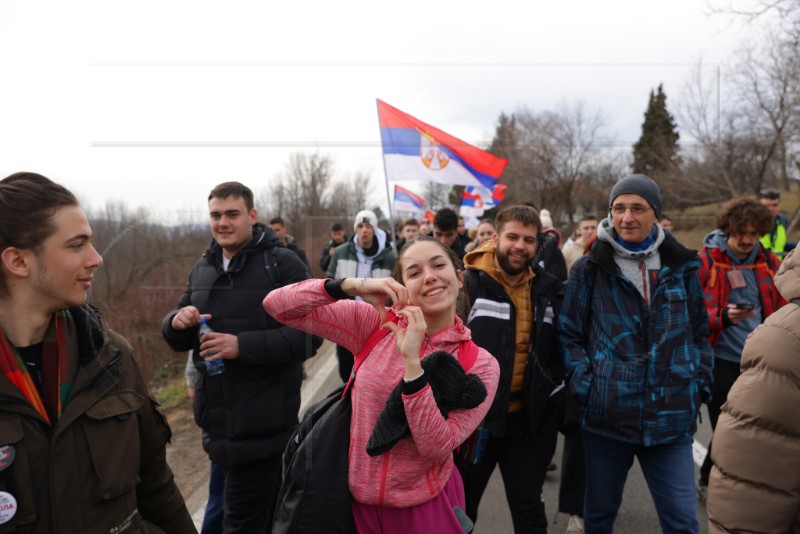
737,279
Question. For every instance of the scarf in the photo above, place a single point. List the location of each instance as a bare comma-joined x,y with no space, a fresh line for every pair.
59,367
646,243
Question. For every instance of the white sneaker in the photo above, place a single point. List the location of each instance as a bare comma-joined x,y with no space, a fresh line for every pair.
574,525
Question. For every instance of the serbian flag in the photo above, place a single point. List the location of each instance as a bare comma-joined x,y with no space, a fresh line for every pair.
476,200
405,200
478,197
472,198
413,150
499,193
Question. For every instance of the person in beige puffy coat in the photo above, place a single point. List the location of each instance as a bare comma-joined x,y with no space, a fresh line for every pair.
755,482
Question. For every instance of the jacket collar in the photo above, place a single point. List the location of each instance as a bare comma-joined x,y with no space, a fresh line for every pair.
97,363
542,283
673,255
263,237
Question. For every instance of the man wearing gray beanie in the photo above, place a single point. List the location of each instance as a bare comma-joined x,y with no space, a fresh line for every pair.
634,331
638,184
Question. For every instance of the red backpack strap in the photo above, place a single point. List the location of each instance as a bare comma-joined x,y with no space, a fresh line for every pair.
374,338
467,354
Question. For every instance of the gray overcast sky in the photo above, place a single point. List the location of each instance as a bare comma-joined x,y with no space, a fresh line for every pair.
154,102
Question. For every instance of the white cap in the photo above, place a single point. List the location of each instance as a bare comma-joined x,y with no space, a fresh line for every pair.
547,222
367,217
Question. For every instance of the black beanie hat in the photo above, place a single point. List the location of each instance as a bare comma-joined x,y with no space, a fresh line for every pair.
638,184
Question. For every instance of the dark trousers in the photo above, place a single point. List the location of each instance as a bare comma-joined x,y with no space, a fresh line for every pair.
668,471
346,362
725,374
523,462
212,520
572,488
251,492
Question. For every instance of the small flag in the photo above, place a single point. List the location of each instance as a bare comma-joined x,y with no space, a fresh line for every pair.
471,198
405,200
499,193
476,200
413,150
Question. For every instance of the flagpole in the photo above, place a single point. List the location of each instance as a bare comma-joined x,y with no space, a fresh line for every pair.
385,174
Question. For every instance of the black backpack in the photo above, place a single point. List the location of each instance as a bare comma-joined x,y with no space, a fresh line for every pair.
271,266
315,494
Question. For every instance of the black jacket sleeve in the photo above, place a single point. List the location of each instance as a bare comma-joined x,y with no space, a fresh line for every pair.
179,340
282,344
325,257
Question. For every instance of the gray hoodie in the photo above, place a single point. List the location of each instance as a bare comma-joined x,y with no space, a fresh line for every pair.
634,264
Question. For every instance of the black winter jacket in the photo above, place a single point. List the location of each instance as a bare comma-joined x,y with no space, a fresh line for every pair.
492,321
248,412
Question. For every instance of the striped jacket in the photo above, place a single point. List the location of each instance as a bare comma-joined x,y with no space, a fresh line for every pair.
640,372
493,321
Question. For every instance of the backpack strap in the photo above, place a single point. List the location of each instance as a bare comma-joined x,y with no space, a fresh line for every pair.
467,350
374,338
271,266
467,354
717,267
712,267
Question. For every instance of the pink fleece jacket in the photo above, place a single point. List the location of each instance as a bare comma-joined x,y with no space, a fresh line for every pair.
416,469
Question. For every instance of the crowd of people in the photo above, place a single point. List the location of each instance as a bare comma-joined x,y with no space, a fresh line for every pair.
493,343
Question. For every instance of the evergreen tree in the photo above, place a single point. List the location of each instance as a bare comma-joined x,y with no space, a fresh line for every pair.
506,144
656,151
506,137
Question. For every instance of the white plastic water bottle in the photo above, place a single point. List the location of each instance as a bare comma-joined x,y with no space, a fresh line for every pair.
214,367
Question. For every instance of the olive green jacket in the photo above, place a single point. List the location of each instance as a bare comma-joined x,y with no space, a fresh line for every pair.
102,468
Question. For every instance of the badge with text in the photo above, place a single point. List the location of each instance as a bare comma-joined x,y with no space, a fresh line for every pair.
7,455
736,279
8,507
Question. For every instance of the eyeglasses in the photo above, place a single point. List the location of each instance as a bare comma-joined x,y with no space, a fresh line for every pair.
636,209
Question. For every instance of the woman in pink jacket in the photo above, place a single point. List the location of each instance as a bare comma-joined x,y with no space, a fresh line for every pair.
413,485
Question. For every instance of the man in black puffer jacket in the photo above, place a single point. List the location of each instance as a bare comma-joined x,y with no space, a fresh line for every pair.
248,412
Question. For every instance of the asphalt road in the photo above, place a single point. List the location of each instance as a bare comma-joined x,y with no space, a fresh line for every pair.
637,515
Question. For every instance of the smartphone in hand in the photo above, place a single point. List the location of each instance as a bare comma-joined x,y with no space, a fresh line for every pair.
746,306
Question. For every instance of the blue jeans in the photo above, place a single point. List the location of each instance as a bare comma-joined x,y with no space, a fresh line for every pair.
668,470
212,520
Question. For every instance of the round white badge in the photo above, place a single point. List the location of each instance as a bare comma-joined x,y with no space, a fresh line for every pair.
8,507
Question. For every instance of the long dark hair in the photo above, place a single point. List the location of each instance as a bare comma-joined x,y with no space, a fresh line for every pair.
462,300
